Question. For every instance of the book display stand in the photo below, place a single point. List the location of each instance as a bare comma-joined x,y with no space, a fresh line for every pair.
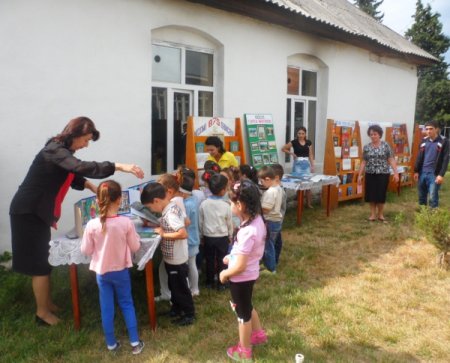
199,128
343,155
397,138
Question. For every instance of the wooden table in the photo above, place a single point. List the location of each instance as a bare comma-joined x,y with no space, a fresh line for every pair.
300,184
66,251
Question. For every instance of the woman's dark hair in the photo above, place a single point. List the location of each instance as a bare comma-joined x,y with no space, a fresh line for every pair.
107,192
249,172
77,127
215,141
375,128
301,128
217,183
247,193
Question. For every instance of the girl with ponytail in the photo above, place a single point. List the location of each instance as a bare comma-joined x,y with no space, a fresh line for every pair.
243,267
111,239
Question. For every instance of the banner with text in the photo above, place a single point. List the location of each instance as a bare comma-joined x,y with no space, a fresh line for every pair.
261,139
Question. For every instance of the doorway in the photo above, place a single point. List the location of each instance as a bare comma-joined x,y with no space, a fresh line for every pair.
170,110
295,117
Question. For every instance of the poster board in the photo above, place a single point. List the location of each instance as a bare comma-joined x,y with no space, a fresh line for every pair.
343,156
261,139
229,130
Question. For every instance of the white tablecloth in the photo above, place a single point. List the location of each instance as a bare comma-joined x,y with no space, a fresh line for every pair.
308,181
64,251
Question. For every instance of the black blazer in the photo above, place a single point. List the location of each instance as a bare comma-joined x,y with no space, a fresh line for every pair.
48,172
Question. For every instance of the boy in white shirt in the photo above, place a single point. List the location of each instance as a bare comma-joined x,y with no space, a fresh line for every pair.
279,172
174,249
271,205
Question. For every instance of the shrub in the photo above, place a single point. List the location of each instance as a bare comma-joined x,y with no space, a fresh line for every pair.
435,223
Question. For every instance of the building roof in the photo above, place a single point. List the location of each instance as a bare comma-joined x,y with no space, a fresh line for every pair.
333,19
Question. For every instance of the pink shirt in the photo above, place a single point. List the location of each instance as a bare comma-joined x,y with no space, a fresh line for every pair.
110,251
250,241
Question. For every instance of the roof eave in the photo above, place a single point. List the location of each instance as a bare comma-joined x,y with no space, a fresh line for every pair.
274,14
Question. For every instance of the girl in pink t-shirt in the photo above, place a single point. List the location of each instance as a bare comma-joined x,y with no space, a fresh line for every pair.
243,267
110,240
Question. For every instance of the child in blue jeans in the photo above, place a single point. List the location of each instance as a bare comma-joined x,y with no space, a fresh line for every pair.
271,202
110,240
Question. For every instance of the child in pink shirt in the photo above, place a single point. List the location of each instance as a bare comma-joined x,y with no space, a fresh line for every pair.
243,267
110,240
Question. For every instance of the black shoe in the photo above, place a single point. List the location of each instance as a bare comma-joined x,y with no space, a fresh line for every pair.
171,314
184,321
209,286
221,287
41,322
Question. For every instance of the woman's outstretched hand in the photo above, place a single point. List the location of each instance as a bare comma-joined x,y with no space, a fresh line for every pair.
131,168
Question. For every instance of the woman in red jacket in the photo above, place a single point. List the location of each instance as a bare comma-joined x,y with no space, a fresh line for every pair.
36,205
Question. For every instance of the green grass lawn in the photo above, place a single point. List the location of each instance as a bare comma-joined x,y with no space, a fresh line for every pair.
346,290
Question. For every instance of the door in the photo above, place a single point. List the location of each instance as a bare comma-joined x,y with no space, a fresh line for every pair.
170,110
296,110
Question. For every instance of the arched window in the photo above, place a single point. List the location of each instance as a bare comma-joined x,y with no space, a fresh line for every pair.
186,80
307,78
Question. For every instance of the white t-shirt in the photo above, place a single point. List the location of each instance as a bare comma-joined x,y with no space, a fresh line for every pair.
272,199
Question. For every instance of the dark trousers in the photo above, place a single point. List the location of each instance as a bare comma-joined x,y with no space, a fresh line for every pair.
216,248
181,297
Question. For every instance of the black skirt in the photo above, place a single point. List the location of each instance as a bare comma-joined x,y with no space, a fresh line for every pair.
376,188
30,245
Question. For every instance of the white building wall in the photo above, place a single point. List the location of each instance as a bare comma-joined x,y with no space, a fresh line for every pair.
61,59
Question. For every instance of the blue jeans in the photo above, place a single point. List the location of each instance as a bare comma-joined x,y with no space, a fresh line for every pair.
278,247
301,166
118,284
427,185
269,258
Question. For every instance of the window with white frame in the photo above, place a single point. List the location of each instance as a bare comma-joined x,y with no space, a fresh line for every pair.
183,84
301,106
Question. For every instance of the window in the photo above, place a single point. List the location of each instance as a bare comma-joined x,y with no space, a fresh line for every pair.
182,86
199,68
166,65
309,83
301,103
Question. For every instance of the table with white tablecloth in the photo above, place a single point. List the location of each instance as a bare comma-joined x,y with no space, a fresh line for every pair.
303,182
65,251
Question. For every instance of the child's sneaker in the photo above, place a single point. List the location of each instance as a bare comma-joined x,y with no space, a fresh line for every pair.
115,349
258,337
137,349
240,354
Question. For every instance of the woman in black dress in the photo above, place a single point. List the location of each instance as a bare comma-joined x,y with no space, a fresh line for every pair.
303,155
36,205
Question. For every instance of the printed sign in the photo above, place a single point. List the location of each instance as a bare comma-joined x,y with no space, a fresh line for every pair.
261,140
205,126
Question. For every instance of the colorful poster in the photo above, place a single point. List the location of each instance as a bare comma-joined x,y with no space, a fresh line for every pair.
261,140
216,126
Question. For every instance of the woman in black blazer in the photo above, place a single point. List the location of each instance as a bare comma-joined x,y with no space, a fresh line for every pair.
36,205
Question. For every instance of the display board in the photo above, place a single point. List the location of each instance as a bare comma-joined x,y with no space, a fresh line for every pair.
261,139
397,138
199,128
343,155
